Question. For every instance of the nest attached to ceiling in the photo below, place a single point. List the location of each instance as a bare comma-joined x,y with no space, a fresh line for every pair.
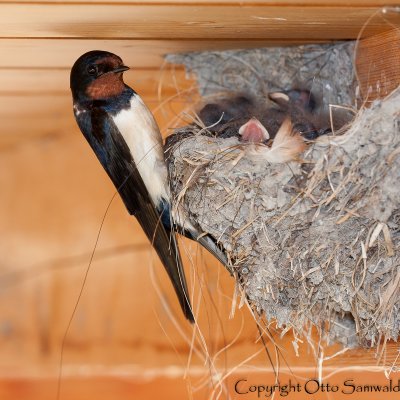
316,242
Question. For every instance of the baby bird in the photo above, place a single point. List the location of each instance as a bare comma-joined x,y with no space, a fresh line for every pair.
273,134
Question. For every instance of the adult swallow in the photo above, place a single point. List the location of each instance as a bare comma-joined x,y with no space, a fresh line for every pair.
126,139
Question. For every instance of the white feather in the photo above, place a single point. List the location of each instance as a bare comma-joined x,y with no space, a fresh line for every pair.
143,137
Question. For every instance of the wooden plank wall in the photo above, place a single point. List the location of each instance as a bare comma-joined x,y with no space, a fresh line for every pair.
54,196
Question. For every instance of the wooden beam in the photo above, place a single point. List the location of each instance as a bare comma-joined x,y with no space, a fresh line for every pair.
188,21
282,3
61,53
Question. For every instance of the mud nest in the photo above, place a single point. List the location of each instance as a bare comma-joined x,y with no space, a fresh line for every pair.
314,242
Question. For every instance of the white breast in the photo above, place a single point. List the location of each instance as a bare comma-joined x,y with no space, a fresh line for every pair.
141,134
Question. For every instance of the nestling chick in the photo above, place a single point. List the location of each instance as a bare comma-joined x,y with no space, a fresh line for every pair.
274,134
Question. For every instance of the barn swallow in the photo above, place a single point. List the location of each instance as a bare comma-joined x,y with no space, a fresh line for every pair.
300,105
274,134
226,110
225,117
126,139
297,127
286,145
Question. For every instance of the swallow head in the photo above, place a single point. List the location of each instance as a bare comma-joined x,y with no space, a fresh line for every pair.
97,75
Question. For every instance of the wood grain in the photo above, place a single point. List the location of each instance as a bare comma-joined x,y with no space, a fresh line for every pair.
377,64
60,53
282,3
140,21
154,384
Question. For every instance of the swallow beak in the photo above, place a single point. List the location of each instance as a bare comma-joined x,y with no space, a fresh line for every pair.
122,68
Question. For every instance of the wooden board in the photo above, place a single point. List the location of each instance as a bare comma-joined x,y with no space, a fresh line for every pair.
60,53
187,21
282,3
142,385
377,65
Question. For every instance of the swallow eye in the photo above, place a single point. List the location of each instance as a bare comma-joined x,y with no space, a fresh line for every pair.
92,70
